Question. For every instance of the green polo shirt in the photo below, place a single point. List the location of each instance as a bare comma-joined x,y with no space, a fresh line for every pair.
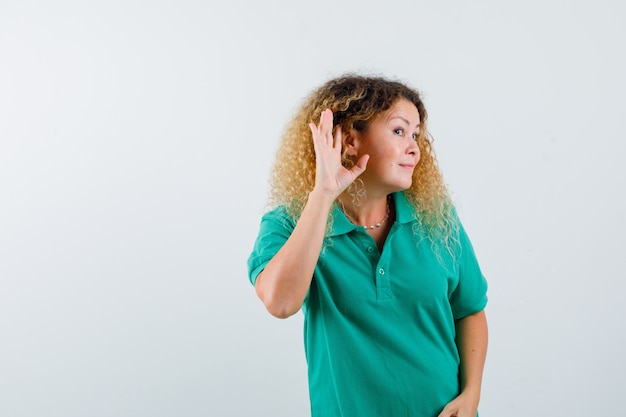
379,327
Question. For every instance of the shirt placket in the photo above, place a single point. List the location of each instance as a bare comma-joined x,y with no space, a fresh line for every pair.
383,281
380,262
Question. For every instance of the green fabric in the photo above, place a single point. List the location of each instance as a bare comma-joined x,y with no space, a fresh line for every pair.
379,328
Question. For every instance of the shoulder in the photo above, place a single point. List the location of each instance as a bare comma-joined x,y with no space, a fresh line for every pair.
277,218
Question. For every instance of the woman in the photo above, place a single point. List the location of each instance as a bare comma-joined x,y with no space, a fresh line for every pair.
364,239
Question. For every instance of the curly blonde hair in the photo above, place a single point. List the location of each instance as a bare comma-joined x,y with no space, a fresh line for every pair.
355,101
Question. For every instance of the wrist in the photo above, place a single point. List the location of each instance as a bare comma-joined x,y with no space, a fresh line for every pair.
322,197
472,394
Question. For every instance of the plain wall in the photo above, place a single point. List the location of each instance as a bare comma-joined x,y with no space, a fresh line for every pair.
136,139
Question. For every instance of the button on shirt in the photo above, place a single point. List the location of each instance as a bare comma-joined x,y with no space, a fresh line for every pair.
379,326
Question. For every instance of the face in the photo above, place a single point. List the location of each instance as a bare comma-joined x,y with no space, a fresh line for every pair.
391,142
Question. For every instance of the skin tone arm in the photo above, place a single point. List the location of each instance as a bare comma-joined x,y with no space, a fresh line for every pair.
283,284
472,338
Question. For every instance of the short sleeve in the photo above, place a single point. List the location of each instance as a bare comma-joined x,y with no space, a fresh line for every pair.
470,295
276,227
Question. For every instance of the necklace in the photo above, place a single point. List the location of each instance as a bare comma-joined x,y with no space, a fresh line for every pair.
380,223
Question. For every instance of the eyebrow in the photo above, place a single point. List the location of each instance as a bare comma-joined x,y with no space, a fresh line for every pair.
404,120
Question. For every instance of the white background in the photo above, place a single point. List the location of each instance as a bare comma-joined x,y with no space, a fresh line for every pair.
135,144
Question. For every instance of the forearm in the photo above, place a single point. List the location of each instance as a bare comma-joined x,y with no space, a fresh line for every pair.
472,337
283,284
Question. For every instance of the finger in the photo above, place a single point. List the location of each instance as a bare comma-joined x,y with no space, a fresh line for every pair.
448,411
338,139
326,126
314,132
360,165
316,128
445,412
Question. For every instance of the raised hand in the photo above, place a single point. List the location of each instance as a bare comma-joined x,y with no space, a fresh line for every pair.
330,176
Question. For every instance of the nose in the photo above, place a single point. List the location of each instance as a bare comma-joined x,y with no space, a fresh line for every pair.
413,148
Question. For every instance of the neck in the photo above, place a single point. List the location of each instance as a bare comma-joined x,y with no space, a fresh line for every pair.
370,213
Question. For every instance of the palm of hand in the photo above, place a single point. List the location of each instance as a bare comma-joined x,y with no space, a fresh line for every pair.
330,175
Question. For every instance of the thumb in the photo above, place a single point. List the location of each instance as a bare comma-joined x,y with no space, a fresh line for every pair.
360,165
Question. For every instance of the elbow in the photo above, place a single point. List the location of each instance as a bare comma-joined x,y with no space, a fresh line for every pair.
280,309
278,306
280,312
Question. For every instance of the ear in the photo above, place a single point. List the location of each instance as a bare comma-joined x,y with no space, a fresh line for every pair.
351,142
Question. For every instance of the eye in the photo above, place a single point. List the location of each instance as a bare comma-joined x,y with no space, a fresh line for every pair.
414,136
399,132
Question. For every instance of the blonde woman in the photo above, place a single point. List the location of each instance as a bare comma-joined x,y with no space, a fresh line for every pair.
363,237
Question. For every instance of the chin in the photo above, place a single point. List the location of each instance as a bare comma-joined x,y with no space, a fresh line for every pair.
403,187
407,185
